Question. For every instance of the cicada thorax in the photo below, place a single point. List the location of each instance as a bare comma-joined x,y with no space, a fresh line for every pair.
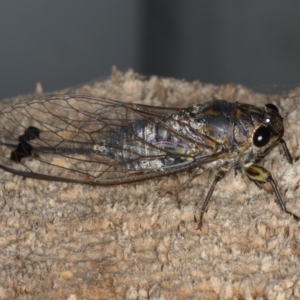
237,129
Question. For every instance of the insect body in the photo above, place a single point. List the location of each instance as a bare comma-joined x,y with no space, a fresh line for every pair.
97,141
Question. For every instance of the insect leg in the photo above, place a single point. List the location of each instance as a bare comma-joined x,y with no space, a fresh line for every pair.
196,172
177,190
218,177
280,201
260,175
286,151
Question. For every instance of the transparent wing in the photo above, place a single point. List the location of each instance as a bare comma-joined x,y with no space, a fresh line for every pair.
66,138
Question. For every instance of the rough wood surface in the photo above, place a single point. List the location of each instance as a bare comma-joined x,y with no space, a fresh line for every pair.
72,241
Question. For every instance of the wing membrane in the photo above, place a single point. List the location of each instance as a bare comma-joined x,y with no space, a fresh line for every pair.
71,144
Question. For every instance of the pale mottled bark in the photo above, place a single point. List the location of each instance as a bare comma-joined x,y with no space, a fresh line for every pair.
63,240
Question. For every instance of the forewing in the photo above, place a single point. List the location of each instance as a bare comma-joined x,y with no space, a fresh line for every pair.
72,129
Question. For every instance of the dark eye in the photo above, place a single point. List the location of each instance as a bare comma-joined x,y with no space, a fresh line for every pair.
261,136
272,107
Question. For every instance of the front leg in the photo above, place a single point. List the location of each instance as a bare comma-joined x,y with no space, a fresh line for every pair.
261,175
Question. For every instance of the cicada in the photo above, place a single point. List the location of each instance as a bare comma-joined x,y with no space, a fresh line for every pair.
97,141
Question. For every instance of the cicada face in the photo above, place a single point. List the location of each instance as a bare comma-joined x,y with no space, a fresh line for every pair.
266,132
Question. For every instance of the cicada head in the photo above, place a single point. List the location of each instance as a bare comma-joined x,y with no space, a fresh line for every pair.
268,131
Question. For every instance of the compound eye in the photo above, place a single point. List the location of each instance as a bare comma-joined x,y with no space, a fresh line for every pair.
272,107
261,136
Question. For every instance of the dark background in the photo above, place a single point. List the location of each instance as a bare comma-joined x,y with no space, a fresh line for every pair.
66,43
